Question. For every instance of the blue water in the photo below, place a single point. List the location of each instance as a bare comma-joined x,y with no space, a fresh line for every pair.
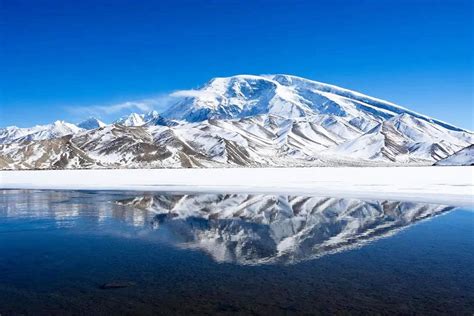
231,254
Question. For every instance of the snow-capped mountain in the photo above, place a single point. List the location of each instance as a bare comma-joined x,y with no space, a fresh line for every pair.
149,119
464,157
153,118
261,229
134,119
91,123
286,96
57,129
272,120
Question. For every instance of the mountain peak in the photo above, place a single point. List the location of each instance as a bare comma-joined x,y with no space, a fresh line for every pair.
151,118
133,119
59,125
91,123
152,114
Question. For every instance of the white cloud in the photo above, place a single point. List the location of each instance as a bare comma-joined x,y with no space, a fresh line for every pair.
129,105
187,93
158,103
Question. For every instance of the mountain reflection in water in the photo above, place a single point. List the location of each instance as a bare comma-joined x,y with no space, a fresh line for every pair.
236,228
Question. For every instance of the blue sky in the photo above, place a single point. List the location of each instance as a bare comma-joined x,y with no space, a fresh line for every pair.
58,58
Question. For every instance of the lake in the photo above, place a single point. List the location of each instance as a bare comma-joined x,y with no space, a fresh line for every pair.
127,252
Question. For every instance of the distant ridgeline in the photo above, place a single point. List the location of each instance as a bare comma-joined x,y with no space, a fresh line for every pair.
246,121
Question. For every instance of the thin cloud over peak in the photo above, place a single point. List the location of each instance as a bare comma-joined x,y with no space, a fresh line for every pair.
157,103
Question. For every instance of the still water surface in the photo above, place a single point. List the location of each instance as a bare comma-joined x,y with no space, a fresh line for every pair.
231,253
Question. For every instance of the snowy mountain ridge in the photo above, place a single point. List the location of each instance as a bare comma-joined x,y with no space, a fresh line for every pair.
57,129
282,95
244,120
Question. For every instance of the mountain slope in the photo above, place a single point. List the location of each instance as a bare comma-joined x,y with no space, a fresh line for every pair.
363,102
58,153
404,138
464,157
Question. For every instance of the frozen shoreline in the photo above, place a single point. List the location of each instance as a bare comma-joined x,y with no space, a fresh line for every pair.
444,185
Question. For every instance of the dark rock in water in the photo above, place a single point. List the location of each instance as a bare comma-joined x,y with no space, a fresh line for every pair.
116,285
